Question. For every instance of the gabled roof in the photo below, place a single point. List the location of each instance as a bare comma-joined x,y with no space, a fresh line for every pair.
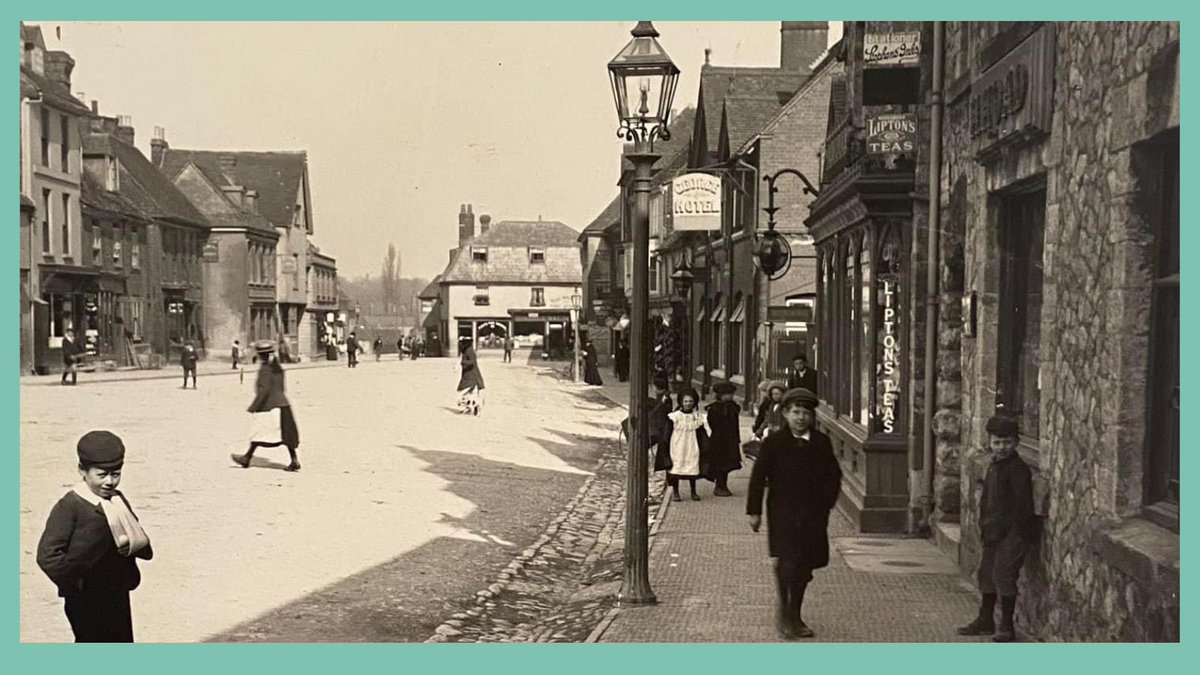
746,116
837,94
276,176
142,184
94,195
236,216
611,214
717,82
508,258
432,291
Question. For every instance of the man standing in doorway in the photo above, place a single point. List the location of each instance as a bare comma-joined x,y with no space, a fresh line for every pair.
800,376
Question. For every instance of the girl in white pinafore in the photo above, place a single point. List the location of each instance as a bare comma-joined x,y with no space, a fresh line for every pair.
688,433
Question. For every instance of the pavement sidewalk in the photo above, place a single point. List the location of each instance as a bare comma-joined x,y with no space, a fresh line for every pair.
173,371
714,581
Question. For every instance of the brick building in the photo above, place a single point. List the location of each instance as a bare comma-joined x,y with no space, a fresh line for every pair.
1060,299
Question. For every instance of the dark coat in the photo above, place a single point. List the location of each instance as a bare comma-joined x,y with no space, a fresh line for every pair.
471,377
70,351
268,389
188,360
724,451
659,422
769,417
591,373
806,381
1007,501
352,346
802,480
77,550
662,453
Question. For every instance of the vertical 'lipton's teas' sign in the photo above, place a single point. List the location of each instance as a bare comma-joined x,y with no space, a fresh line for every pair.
696,202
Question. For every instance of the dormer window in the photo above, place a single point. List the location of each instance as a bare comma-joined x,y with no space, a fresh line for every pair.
479,254
112,175
537,256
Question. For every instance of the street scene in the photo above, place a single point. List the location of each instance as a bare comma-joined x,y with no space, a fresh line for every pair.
853,332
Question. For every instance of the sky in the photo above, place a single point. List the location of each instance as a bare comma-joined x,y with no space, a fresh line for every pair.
402,122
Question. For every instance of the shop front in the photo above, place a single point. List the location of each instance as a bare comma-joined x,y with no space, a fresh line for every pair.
82,301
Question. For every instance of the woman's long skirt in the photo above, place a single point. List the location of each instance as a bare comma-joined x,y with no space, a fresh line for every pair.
276,426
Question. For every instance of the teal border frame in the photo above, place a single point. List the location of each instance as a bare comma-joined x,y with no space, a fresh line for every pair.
976,659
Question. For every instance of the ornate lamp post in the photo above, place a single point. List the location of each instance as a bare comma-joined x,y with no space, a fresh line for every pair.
643,81
576,317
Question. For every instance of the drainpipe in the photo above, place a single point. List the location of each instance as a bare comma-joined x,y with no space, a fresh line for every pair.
35,282
933,268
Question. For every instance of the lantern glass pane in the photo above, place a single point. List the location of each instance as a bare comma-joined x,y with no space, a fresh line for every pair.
643,92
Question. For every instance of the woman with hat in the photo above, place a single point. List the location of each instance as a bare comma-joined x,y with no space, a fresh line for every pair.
91,542
770,416
801,478
723,453
274,424
470,382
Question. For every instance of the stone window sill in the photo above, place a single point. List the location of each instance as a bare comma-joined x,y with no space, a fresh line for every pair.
1141,549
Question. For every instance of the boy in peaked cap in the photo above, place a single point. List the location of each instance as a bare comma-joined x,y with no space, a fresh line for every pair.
1006,525
801,478
91,542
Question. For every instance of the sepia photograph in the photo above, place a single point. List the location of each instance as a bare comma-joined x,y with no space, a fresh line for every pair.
600,332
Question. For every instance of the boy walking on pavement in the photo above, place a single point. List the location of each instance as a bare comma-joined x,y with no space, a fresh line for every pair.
71,353
802,479
188,360
91,542
1007,526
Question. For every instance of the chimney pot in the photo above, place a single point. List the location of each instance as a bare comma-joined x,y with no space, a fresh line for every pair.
801,42
58,68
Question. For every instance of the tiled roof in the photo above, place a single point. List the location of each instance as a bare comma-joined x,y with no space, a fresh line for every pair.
611,214
508,255
55,94
828,62
276,176
433,290
717,82
747,116
94,195
142,184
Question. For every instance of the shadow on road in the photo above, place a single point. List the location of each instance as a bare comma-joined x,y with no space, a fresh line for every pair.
406,598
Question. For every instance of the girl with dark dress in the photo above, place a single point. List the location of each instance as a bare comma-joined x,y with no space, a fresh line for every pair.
770,415
470,383
591,373
274,424
723,454
621,361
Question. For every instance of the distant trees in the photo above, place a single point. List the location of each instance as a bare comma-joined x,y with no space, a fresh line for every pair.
390,280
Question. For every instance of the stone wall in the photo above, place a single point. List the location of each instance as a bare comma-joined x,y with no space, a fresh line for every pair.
1099,571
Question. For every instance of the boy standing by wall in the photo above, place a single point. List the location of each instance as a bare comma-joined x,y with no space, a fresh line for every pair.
1007,526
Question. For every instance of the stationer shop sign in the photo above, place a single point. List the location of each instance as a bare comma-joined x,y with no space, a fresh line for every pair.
891,133
891,49
696,202
1012,101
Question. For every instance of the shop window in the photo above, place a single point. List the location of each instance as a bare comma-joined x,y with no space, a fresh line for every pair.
865,374
1163,377
116,254
652,277
97,244
537,297
479,254
1018,376
481,297
537,256
849,380
45,136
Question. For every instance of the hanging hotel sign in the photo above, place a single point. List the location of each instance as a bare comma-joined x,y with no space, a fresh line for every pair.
1013,100
891,49
696,202
891,133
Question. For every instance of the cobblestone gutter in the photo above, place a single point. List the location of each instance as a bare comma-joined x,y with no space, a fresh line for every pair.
564,585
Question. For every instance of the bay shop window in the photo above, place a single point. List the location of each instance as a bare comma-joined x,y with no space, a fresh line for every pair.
861,327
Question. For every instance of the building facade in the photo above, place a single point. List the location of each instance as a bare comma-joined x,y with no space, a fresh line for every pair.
514,278
1060,300
322,303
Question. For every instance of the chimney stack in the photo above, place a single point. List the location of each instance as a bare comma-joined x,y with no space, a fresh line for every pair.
58,68
158,146
252,200
235,194
485,221
801,42
227,162
466,224
124,130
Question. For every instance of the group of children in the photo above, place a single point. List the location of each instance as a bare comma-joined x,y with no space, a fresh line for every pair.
799,476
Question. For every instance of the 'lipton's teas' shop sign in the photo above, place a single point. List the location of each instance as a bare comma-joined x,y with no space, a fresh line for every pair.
1012,101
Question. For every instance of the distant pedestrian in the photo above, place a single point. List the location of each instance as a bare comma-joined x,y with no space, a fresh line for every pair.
800,376
770,412
352,349
273,423
187,359
591,373
508,348
801,478
378,348
621,360
91,542
400,347
414,347
660,420
418,347
72,354
679,453
723,454
470,383
1007,526
235,354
